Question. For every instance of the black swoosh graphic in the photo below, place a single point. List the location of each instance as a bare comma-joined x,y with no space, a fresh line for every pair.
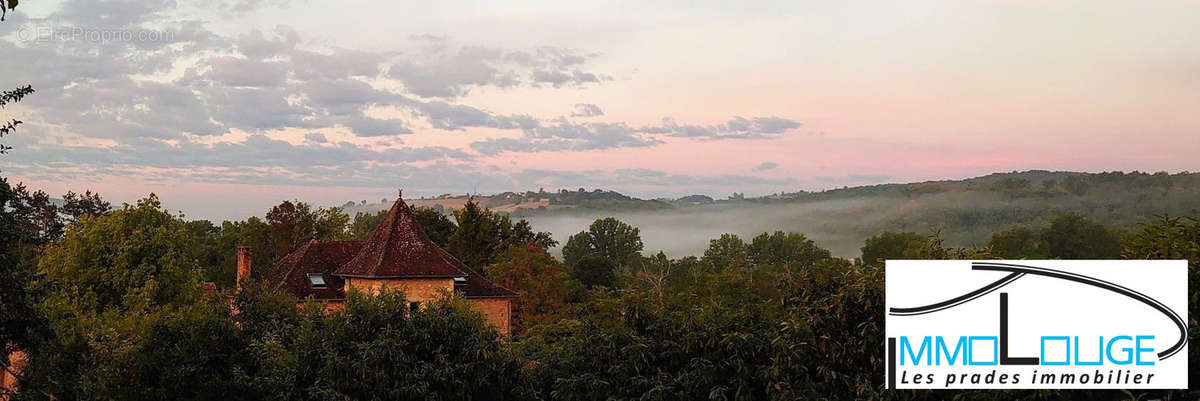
1095,282
961,299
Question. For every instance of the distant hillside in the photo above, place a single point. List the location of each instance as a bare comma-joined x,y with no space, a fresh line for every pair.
966,212
531,202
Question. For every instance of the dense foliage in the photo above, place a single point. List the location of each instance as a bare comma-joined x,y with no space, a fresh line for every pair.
483,235
112,308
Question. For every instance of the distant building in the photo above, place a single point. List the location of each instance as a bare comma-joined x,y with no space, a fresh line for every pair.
397,256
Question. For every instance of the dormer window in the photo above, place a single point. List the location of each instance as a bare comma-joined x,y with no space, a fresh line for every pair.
317,280
460,285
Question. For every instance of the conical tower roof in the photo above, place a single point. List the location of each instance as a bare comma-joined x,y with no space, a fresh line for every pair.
399,248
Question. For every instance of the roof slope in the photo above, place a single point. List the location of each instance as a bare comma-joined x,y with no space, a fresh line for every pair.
290,274
399,248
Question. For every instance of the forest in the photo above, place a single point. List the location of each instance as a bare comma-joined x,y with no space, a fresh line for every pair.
108,303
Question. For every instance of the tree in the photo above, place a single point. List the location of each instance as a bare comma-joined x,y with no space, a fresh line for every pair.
1077,184
785,249
76,206
28,221
330,224
1073,236
140,254
727,252
595,270
365,223
377,348
541,281
891,245
106,285
576,248
1168,237
19,319
1017,243
483,235
522,234
293,224
252,232
437,226
11,96
480,235
610,238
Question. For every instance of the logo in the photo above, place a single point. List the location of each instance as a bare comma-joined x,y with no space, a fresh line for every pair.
1036,324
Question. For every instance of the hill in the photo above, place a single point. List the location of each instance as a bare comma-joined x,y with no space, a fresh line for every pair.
966,212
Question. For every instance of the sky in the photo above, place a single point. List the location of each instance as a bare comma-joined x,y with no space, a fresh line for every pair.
224,108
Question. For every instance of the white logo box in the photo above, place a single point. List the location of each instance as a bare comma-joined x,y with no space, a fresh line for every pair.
1070,324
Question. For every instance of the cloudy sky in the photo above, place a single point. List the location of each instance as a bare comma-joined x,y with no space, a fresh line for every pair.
223,108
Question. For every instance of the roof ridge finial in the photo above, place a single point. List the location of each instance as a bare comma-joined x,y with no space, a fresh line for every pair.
399,193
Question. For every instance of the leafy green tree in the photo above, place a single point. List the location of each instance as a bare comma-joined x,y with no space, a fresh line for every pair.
891,245
365,223
330,224
821,344
522,234
210,251
541,281
594,270
631,346
726,252
28,221
76,206
377,348
610,238
483,235
785,249
577,246
1073,236
1077,184
140,255
480,235
1168,237
106,286
437,226
1018,243
293,224
19,244
252,232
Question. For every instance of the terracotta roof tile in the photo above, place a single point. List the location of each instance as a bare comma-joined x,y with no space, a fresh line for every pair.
399,248
290,274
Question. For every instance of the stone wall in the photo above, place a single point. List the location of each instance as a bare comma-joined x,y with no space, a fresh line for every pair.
496,311
415,289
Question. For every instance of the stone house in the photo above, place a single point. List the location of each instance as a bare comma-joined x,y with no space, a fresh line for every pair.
397,256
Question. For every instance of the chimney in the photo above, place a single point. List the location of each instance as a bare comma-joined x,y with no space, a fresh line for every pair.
243,265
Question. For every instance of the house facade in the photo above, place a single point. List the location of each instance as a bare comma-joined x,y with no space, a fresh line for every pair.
398,256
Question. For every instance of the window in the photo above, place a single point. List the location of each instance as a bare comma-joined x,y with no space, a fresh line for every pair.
414,306
317,280
460,285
